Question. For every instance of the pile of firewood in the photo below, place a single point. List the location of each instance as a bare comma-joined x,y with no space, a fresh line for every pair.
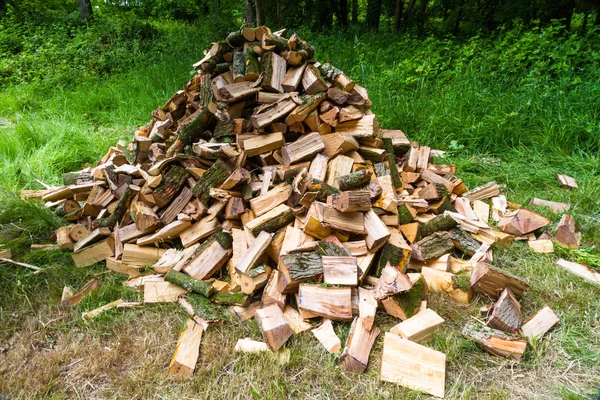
266,189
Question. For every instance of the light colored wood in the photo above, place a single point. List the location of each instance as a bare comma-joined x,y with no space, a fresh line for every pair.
250,346
166,233
482,210
187,351
367,307
302,148
494,341
94,313
274,197
272,293
355,356
293,238
292,78
208,262
492,281
359,128
245,312
424,156
357,247
336,144
554,206
413,366
567,232
377,232
340,270
333,219
93,237
311,82
318,167
522,221
541,246
328,302
141,256
274,214
63,238
254,252
94,253
483,192
338,166
263,143
539,323
446,282
6,253
161,292
419,327
326,335
273,325
200,230
279,110
580,270
119,266
567,182
295,320
350,201
391,282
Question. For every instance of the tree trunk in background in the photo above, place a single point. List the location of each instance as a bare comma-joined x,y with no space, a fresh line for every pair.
373,13
325,14
250,13
355,12
260,12
459,17
398,15
488,10
2,7
422,17
343,12
278,11
585,21
85,8
409,10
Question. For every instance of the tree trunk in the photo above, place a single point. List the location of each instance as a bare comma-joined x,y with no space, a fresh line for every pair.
343,12
458,18
260,12
85,8
597,20
409,10
422,17
278,11
355,12
373,14
250,13
398,14
2,7
585,22
325,14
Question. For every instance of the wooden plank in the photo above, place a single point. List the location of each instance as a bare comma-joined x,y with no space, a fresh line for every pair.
161,292
187,351
580,270
419,327
330,302
254,252
539,323
274,197
340,270
141,256
412,365
94,253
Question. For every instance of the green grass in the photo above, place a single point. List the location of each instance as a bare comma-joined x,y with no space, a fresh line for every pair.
501,115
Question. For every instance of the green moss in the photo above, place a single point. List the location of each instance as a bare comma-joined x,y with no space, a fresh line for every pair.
462,281
411,300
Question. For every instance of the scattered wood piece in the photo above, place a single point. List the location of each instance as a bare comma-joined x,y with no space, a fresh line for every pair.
554,206
274,327
355,356
328,302
539,323
541,246
326,335
492,281
567,233
567,182
250,346
580,270
494,341
505,314
340,270
419,327
187,351
94,313
161,292
522,221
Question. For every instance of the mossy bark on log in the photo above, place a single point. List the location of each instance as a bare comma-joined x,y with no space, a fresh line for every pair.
410,301
404,214
252,65
372,156
464,241
391,159
442,205
433,246
236,38
274,224
202,122
170,185
354,180
247,192
437,224
226,297
304,48
280,43
303,266
117,215
394,256
223,68
205,288
213,177
329,71
382,169
323,188
71,178
223,129
205,309
239,66
330,249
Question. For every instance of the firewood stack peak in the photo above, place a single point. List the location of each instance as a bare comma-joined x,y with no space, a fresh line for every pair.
292,206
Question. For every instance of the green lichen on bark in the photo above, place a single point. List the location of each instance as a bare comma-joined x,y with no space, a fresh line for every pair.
190,284
205,309
213,177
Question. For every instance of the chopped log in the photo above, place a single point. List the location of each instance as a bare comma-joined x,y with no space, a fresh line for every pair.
355,356
170,185
350,201
365,127
200,230
292,78
229,298
119,266
567,233
146,220
367,307
482,210
209,257
93,237
541,246
432,246
78,232
505,314
187,351
464,241
300,113
86,289
483,192
190,284
491,281
567,182
235,208
161,292
246,312
340,270
274,327
250,346
391,282
273,113
331,247
332,303
202,310
272,293
295,268
213,177
86,316
94,253
252,66
353,222
554,206
254,252
421,369
539,323
326,335
273,68
302,148
119,212
263,143
580,270
419,327
437,224
406,304
254,279
377,231
141,256
312,81
295,320
271,221
274,197
494,341
395,253
353,180
522,221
